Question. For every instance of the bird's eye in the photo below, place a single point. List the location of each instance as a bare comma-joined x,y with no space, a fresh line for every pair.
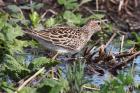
99,23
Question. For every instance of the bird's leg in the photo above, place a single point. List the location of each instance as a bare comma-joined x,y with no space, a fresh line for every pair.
53,58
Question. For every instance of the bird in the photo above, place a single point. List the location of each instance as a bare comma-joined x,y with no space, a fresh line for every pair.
65,39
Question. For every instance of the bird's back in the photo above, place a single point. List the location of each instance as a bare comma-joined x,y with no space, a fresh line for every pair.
65,39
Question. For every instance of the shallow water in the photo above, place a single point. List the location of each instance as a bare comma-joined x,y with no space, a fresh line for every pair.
95,78
115,48
137,70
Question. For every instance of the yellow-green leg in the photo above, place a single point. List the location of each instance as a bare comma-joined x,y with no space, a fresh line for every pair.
52,71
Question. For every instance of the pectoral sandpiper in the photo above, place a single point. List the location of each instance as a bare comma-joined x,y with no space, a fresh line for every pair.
66,39
63,40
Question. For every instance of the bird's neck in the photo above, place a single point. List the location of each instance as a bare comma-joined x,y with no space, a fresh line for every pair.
88,30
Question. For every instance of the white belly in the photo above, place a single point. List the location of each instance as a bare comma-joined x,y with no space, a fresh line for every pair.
53,47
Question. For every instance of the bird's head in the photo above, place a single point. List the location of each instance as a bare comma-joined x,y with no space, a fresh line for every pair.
93,26
90,28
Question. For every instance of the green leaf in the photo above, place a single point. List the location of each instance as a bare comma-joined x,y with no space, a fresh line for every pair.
8,35
25,7
84,1
130,42
50,22
53,86
35,18
35,5
28,90
13,8
8,88
75,76
17,46
126,79
17,17
2,37
68,4
56,89
71,4
97,16
37,63
12,64
13,68
61,2
119,89
3,19
136,36
50,82
72,18
32,6
38,5
11,32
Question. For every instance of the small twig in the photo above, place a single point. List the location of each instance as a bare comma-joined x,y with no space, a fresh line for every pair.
88,10
52,72
120,5
128,12
125,62
102,51
73,58
33,76
132,68
131,57
123,55
92,11
29,79
2,3
89,50
89,53
97,5
15,1
53,58
122,42
110,40
49,10
115,29
113,1
136,3
126,3
81,3
86,87
22,80
127,7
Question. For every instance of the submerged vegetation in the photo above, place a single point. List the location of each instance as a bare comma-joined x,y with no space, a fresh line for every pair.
21,56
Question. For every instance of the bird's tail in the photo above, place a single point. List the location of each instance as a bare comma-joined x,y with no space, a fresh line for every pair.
29,31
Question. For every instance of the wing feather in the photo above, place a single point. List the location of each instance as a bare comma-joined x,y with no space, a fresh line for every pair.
60,36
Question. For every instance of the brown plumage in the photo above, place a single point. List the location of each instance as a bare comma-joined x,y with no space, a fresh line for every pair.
65,39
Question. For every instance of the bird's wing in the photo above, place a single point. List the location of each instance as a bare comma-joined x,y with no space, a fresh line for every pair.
60,36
